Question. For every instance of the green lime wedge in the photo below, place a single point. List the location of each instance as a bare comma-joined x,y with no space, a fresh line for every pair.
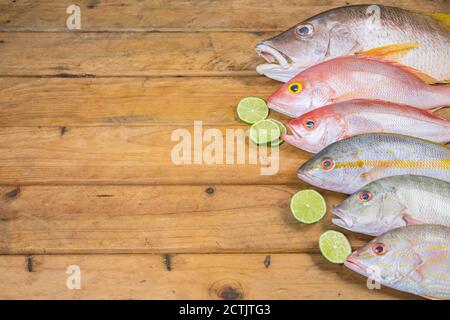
308,206
334,246
264,132
283,130
251,110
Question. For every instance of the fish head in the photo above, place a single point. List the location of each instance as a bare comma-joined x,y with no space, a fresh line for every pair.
387,259
314,130
324,36
333,169
373,210
293,99
294,50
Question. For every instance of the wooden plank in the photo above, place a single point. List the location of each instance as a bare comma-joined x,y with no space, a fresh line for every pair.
130,155
124,219
236,276
129,101
129,54
126,101
177,15
137,155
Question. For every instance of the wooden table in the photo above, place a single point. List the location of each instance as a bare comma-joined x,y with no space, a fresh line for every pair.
85,140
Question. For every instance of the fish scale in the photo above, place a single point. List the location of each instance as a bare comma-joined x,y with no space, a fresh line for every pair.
341,120
414,259
364,158
395,202
347,30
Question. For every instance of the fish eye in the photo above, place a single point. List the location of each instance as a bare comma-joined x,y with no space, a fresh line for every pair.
295,88
327,164
379,249
365,196
309,124
305,30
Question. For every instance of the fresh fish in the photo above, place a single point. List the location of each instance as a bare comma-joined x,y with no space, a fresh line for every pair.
414,259
357,77
321,127
348,165
347,30
395,202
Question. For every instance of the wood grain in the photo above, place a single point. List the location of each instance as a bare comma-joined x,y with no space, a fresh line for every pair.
129,54
235,276
124,219
130,101
177,15
129,155
126,101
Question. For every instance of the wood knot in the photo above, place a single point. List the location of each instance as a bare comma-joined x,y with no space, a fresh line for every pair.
267,262
210,190
30,264
10,195
168,262
226,290
62,130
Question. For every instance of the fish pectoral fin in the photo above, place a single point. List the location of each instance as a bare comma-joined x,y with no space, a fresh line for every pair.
373,174
410,220
391,52
322,95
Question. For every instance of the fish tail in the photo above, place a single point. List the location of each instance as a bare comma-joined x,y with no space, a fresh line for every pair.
443,18
438,97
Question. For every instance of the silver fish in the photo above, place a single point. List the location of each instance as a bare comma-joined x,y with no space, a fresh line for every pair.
414,259
394,202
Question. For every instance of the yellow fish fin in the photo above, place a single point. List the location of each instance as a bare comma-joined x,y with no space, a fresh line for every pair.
391,52
444,20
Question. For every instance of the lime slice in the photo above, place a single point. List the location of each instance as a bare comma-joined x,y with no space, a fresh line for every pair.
334,246
308,206
264,132
251,110
283,130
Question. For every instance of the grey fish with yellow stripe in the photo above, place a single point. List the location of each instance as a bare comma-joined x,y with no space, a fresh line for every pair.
348,165
413,259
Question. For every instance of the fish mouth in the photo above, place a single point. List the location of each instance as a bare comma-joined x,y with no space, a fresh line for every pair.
308,179
281,108
355,265
294,139
341,218
272,55
279,66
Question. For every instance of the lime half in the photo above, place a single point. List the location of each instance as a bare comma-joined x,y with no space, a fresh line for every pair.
251,110
334,246
264,132
283,130
308,206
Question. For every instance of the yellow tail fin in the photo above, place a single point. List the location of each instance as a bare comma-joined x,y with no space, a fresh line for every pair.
444,20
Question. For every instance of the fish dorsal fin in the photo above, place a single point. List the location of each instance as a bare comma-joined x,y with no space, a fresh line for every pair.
420,74
443,18
391,52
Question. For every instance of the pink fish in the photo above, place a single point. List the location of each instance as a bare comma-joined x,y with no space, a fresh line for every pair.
357,77
321,127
